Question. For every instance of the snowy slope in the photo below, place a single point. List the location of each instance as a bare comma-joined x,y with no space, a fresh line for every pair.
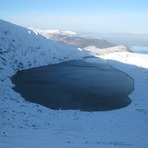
27,42
28,125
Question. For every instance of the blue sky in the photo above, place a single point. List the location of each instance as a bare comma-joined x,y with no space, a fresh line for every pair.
102,16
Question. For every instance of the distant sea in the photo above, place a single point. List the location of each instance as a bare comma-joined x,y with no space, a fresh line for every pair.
139,49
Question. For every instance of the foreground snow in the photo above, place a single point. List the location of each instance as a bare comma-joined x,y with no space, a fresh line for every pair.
34,125
28,125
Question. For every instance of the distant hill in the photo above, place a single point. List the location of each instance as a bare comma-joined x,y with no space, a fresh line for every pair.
127,39
72,38
94,44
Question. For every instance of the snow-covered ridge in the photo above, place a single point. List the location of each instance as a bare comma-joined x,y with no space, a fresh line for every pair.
44,32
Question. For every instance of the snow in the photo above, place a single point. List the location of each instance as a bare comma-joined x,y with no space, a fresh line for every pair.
27,125
68,33
44,32
100,51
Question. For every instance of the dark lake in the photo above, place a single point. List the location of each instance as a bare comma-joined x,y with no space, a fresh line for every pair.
87,85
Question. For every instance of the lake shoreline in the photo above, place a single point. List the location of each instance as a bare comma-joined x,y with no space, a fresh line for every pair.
44,85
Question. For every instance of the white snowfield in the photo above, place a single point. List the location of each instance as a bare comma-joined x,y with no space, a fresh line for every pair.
29,125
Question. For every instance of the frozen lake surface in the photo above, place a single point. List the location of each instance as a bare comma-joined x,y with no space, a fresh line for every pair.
88,85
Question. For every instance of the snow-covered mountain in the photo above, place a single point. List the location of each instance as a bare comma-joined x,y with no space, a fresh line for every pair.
24,124
72,38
